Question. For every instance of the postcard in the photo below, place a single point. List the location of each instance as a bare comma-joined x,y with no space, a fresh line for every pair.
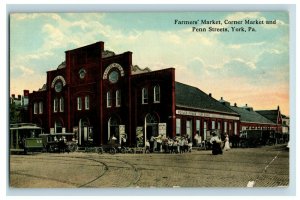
149,100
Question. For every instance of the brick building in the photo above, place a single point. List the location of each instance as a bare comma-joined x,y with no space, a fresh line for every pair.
97,94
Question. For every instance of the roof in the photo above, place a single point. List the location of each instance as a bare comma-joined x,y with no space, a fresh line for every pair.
192,97
270,114
248,115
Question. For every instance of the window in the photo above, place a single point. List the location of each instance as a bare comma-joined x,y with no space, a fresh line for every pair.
79,103
213,125
87,102
189,128
156,94
61,104
198,126
225,127
204,130
178,126
235,128
118,98
41,108
219,125
55,105
108,99
144,96
35,108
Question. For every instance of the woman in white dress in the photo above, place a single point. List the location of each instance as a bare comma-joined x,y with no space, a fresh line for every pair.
226,146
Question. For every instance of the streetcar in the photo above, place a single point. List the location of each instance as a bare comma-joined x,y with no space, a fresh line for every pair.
24,137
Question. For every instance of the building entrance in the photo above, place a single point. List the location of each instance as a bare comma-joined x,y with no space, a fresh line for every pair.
151,126
85,132
113,129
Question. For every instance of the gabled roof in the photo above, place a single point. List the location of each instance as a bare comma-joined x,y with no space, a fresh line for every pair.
270,114
192,97
248,115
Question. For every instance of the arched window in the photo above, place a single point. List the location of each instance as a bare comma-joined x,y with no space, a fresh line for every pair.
156,94
55,105
61,104
118,98
108,99
40,107
144,96
87,102
79,103
35,108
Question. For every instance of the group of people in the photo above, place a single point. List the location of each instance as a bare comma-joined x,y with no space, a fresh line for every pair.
217,144
179,144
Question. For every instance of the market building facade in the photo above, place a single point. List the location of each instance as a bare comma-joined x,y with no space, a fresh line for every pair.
97,94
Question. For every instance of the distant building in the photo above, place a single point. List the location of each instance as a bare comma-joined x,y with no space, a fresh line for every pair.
18,107
274,116
250,119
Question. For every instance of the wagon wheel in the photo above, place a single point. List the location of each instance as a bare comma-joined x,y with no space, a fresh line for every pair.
112,150
99,150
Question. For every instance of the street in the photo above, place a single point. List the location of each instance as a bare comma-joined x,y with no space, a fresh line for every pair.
267,166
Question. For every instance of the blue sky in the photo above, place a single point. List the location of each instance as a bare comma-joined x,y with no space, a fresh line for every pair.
242,67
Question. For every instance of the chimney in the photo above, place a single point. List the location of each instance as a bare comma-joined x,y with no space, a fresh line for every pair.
246,105
19,97
222,98
235,105
13,96
209,94
26,93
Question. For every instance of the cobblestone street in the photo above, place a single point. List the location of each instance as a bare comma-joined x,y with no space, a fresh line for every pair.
268,166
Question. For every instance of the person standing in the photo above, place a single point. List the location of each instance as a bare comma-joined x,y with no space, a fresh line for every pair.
216,144
226,146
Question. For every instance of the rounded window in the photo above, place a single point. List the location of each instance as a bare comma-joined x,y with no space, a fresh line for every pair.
58,86
113,77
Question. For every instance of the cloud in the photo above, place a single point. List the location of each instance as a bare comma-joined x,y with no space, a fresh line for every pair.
201,59
22,70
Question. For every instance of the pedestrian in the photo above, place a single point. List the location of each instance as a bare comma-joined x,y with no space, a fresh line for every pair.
226,146
147,147
151,143
216,144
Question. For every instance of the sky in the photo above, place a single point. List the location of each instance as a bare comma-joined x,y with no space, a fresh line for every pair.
244,67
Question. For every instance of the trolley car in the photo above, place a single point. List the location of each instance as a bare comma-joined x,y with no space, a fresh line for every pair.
24,138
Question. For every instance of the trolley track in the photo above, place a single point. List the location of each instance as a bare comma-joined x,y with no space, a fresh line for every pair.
127,170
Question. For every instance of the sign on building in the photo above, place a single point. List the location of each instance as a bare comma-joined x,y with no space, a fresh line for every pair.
139,136
162,129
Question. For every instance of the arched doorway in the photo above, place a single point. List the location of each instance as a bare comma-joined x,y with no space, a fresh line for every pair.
151,125
113,128
58,126
85,132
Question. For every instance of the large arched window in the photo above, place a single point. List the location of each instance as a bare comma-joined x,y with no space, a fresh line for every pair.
144,95
151,126
156,94
58,126
113,129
